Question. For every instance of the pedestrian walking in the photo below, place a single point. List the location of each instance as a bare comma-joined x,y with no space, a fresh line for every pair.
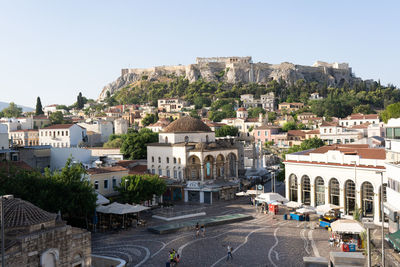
197,229
203,230
229,249
171,258
331,241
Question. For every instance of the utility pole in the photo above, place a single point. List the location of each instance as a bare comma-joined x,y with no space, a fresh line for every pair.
383,223
368,247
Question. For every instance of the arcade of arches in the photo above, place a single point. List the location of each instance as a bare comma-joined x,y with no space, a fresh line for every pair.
317,191
211,167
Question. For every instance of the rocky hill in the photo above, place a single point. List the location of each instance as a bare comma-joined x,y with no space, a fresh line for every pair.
237,70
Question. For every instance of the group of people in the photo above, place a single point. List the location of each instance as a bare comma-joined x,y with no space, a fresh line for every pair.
173,257
201,229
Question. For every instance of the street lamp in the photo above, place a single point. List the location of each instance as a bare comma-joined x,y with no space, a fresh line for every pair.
383,219
355,187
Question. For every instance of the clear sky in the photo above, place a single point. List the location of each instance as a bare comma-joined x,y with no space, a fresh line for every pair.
55,49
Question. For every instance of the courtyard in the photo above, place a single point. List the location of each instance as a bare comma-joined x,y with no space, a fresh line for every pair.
266,240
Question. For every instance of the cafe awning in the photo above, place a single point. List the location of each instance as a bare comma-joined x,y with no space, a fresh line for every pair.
101,200
270,197
293,205
394,239
118,208
347,227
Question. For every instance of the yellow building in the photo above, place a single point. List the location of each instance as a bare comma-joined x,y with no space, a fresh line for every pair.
24,137
289,107
106,179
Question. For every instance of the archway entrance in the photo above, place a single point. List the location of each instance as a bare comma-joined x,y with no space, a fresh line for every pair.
319,191
293,188
367,196
306,190
350,197
334,192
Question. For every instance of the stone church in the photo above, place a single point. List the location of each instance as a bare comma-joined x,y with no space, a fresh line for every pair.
34,237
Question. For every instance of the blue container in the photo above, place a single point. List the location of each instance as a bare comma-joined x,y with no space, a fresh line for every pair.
352,247
285,217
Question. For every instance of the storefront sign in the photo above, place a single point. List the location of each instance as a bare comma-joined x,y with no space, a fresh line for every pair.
193,184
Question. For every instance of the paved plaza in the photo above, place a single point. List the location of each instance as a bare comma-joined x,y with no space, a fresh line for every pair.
266,240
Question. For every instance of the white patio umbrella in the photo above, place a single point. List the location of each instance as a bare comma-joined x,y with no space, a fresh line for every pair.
270,197
306,210
293,205
241,194
101,200
322,209
347,227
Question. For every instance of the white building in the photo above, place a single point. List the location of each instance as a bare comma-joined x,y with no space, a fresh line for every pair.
243,123
62,135
344,175
121,126
14,124
392,205
104,128
331,133
171,104
159,125
187,151
266,101
357,119
4,143
50,109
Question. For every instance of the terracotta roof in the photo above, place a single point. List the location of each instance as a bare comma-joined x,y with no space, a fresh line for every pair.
334,164
58,126
126,163
187,124
252,120
138,169
20,213
357,149
242,109
296,133
313,132
267,127
28,130
20,165
106,169
360,116
361,126
328,124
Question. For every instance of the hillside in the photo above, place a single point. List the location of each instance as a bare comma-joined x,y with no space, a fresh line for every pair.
235,70
24,109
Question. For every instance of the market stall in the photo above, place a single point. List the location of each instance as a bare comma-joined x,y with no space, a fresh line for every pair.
346,234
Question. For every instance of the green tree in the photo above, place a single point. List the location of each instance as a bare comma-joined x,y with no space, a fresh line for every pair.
56,118
291,125
314,142
255,112
134,144
201,101
12,111
79,101
149,119
193,113
66,190
39,108
391,111
139,188
364,109
271,116
226,130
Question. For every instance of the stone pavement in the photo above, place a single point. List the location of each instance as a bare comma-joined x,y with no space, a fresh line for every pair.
266,240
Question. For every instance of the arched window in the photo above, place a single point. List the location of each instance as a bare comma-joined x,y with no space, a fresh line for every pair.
159,159
306,190
367,196
334,191
206,138
167,159
319,191
166,139
152,159
193,160
174,160
293,187
350,196
179,160
186,139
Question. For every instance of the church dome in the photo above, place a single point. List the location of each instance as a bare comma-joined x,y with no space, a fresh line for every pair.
187,124
20,213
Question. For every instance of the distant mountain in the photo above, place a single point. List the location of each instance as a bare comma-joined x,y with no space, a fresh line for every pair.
24,109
